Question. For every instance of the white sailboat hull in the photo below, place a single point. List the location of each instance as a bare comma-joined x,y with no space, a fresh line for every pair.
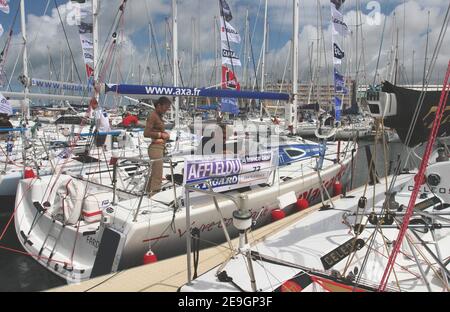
88,252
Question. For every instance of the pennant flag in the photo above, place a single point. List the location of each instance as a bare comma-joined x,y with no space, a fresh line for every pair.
5,106
338,3
338,54
339,83
85,29
229,80
339,26
337,108
225,10
228,33
4,6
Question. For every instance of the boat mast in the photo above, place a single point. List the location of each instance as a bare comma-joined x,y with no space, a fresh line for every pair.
95,7
263,59
292,108
175,60
426,52
25,106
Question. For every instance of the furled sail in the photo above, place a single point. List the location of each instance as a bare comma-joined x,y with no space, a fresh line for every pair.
407,101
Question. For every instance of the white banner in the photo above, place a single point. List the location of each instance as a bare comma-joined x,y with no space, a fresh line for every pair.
1,30
339,26
229,56
228,33
58,85
224,174
5,106
4,6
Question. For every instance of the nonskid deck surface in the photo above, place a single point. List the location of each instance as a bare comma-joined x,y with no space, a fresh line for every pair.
305,242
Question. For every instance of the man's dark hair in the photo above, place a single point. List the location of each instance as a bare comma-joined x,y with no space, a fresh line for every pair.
163,100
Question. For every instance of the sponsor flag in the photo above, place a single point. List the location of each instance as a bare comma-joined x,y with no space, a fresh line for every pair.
339,26
339,83
229,80
338,54
228,33
337,108
5,106
229,56
229,105
4,6
85,29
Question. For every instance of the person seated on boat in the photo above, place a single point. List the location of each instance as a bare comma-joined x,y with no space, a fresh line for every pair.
155,129
101,122
129,120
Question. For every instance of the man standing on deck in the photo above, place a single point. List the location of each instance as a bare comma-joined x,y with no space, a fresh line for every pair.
155,129
101,122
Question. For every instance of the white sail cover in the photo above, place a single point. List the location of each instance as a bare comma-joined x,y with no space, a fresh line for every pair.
5,106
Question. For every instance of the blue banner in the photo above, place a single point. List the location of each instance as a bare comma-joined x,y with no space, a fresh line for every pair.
192,92
337,108
229,105
339,83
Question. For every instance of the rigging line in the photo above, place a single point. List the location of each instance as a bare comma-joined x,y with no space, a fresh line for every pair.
14,69
422,168
425,87
379,51
4,53
427,261
112,29
156,49
40,26
67,41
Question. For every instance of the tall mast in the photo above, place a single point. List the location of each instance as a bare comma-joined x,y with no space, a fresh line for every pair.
175,59
292,112
246,48
25,109
95,7
426,52
263,61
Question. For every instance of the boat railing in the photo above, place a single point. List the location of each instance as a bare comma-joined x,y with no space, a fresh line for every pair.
193,187
144,163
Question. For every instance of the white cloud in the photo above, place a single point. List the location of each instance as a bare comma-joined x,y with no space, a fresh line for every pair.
47,38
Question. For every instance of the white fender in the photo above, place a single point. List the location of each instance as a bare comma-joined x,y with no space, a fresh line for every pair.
70,198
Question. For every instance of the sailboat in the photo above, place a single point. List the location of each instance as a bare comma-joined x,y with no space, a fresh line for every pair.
390,236
82,228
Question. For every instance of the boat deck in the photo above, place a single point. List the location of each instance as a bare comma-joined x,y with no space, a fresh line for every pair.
170,274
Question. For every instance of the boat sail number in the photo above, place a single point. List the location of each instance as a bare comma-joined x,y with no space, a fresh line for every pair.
341,252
